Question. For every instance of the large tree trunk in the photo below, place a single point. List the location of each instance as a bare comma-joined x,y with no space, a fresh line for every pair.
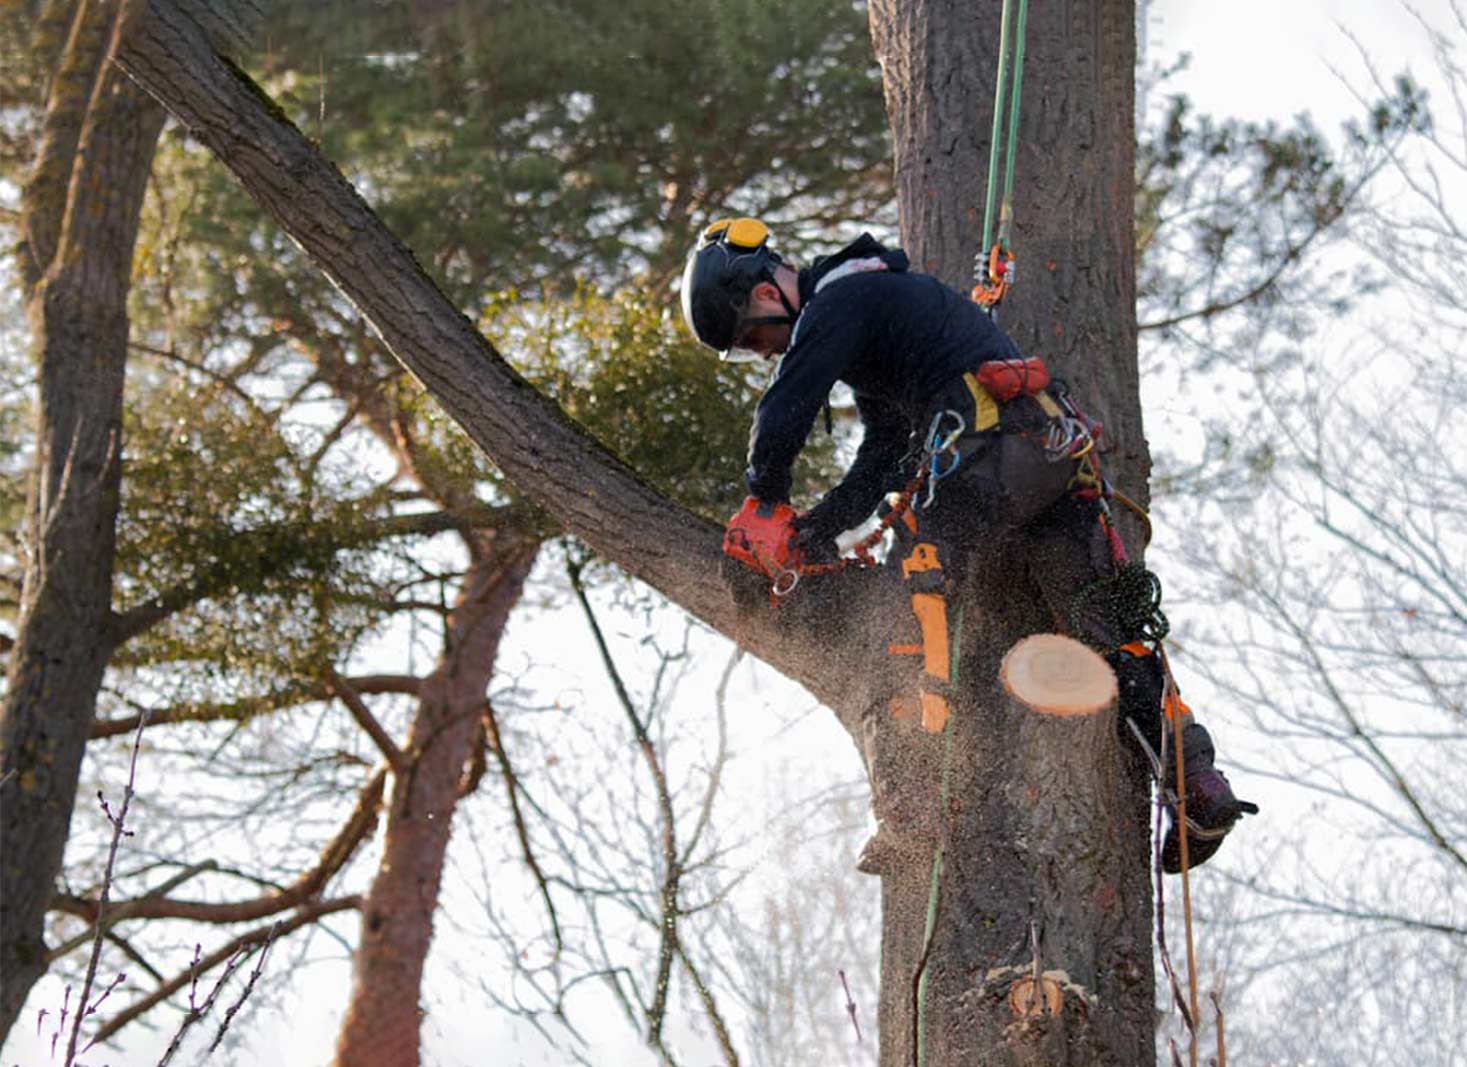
81,216
1074,305
1074,213
382,1020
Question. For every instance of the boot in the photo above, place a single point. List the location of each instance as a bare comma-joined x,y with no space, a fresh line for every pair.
1212,809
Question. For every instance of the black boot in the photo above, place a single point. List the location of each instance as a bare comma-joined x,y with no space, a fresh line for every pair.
1212,809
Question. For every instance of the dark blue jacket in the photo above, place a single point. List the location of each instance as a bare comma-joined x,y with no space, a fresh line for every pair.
899,340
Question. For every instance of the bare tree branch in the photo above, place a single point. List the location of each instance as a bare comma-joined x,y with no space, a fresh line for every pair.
349,696
304,916
357,828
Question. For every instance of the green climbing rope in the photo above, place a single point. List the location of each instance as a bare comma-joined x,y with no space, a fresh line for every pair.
1127,601
1010,139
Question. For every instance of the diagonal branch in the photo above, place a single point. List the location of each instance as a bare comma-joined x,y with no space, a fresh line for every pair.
349,696
306,915
250,706
357,828
495,741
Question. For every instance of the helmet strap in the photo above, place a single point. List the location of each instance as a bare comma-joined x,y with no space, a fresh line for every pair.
788,306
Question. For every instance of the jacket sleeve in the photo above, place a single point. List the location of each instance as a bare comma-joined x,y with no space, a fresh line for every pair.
877,470
823,346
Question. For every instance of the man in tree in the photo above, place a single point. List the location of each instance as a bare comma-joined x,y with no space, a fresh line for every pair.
945,400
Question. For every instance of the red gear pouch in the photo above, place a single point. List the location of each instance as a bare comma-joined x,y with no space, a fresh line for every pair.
1005,379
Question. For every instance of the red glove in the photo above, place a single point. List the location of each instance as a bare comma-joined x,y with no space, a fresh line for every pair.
1005,379
762,536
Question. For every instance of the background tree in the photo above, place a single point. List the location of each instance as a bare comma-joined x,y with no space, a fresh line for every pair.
79,219
1328,565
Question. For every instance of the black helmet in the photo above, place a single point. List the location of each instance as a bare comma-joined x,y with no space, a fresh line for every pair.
731,257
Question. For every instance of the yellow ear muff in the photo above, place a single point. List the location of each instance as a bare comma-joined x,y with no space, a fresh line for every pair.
714,230
744,235
747,233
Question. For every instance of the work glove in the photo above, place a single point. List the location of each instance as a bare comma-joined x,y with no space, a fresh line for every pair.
1004,379
762,536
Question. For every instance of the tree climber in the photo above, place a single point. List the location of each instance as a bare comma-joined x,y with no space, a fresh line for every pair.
1005,444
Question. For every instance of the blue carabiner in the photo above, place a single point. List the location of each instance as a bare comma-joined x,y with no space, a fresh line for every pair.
937,444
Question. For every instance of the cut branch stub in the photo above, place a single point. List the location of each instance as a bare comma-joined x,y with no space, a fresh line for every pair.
1054,675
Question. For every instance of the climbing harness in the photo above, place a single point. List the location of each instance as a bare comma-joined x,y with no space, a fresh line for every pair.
994,266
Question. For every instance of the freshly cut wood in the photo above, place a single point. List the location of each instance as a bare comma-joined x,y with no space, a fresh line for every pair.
1055,675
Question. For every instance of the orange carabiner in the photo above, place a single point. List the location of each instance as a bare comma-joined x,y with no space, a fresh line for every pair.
1000,277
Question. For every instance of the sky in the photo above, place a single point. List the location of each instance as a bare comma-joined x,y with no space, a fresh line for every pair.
1250,58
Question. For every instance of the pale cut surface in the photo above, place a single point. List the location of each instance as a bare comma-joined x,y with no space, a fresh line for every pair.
1057,675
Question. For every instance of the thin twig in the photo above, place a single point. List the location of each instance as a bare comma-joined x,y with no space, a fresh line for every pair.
1222,1044
255,973
850,1005
672,868
119,831
495,741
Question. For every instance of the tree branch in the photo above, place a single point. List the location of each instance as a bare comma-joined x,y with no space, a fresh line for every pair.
333,857
512,788
307,914
264,543
248,707
671,865
549,458
342,689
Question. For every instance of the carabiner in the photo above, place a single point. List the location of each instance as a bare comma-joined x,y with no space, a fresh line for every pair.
780,588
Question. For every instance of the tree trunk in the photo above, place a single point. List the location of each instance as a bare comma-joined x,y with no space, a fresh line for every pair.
81,216
1066,781
382,1020
1074,305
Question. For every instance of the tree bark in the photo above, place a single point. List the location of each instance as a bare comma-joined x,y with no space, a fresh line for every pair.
81,211
1059,707
381,1025
1073,305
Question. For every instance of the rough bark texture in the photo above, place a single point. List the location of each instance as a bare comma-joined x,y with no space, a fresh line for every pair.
80,217
1074,305
1065,787
381,1024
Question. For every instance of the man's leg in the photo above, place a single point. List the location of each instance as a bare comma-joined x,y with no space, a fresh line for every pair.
1071,564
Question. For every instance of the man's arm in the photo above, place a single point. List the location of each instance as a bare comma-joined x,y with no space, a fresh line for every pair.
876,471
825,343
